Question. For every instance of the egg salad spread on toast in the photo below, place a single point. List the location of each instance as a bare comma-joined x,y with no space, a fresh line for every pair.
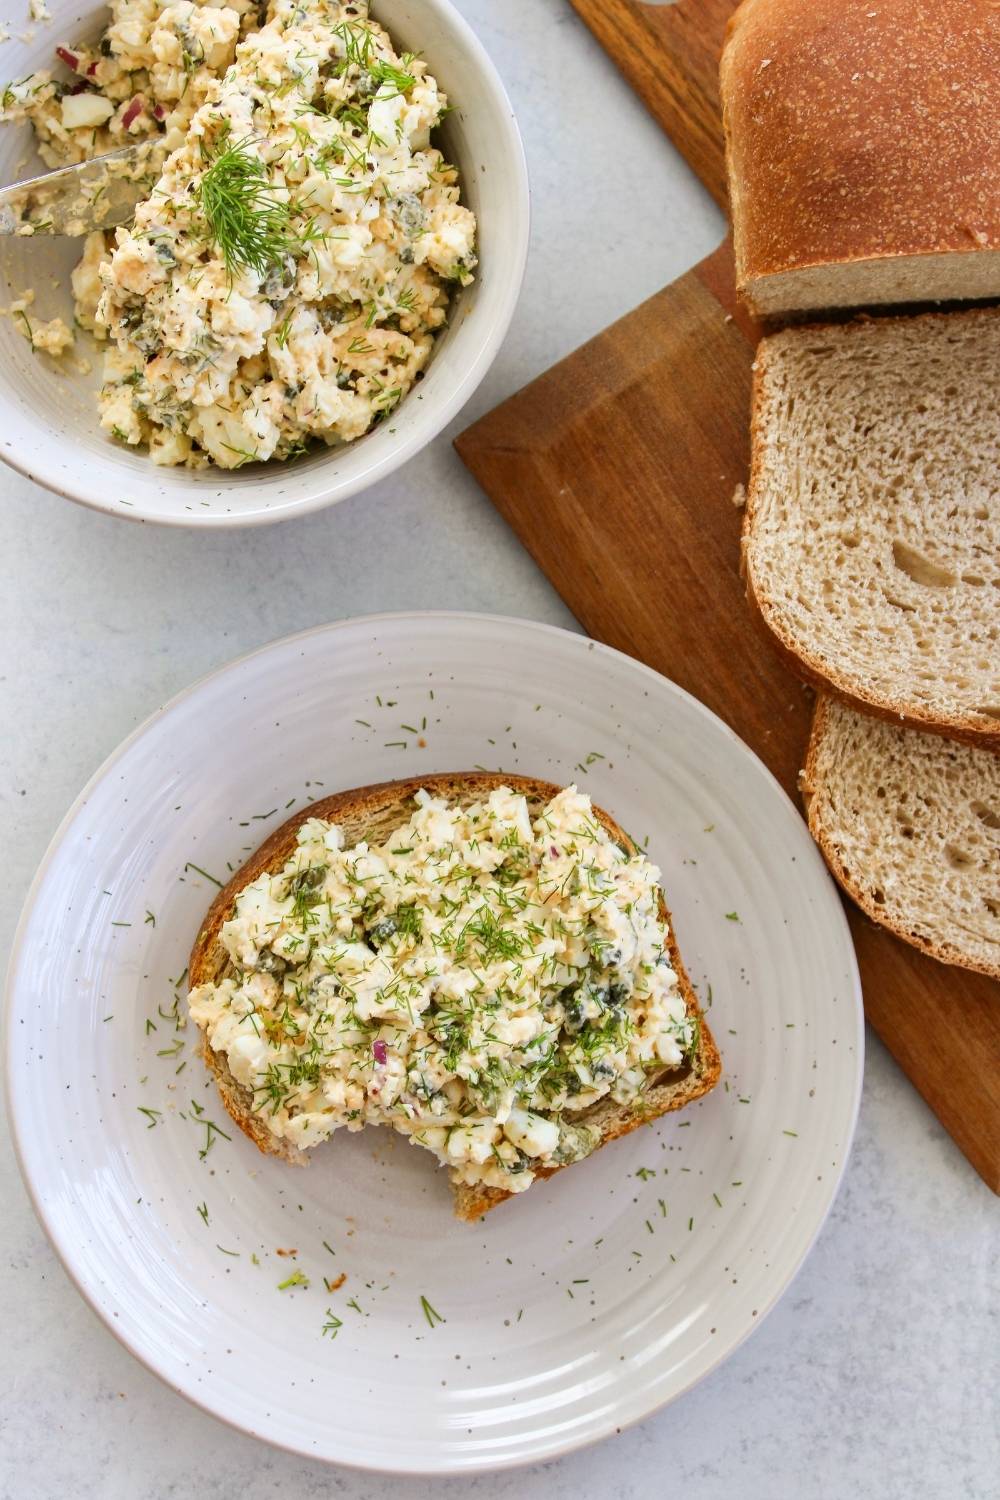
477,982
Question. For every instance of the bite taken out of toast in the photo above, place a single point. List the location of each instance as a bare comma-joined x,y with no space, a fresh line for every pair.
484,962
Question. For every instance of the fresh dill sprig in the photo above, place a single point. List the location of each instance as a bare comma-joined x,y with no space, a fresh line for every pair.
247,218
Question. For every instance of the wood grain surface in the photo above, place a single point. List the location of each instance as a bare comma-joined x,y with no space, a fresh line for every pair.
670,56
617,470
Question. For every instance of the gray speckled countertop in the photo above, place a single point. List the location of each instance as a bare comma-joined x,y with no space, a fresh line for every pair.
876,1377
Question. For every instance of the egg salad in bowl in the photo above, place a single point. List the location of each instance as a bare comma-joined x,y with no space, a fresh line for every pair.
284,279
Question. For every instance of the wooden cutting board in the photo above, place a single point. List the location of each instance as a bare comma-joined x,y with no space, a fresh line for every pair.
617,469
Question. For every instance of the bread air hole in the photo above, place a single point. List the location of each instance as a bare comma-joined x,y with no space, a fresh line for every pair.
921,569
957,858
986,815
993,907
989,710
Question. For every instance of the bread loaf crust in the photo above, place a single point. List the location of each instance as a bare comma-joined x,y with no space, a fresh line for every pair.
863,131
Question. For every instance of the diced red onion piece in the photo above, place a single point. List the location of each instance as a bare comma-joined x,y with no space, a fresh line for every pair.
160,112
71,59
92,69
553,851
381,1055
134,110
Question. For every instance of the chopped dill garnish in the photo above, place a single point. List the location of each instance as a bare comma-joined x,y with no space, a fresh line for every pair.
283,329
211,1131
333,1324
431,1313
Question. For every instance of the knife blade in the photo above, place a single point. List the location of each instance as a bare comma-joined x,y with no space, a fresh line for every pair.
95,194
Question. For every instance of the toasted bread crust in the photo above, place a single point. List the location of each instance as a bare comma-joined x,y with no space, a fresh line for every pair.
363,808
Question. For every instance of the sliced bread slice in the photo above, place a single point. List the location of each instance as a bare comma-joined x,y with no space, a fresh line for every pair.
910,826
871,541
373,813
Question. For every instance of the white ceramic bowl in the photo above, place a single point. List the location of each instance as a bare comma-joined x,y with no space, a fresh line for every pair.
48,420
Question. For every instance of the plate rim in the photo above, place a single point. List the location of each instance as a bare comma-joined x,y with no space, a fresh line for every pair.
16,957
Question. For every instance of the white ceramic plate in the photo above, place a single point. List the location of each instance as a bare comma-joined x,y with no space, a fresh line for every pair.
566,1314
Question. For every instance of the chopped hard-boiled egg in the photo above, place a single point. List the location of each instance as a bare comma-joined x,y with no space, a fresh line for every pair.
476,982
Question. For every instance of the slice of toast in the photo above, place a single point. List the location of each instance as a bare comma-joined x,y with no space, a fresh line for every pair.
871,540
910,826
372,813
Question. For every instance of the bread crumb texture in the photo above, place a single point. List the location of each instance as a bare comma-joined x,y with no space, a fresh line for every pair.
910,825
872,540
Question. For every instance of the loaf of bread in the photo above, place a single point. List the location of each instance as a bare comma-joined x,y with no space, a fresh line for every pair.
910,826
371,815
863,140
871,538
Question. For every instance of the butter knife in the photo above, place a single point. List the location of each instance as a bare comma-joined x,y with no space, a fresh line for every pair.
95,194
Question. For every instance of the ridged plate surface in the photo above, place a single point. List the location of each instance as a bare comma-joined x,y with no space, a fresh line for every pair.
566,1314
